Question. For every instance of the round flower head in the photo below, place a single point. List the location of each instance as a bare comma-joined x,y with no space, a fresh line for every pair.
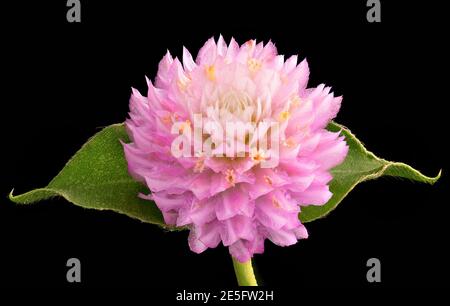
233,144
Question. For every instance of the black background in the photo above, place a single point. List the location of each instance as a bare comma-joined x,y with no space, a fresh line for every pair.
62,82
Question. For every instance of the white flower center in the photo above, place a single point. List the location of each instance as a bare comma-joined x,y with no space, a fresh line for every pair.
232,106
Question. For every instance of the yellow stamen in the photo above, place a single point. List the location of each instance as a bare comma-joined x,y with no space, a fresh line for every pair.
230,177
268,180
284,115
290,143
254,64
184,125
199,165
276,203
258,156
211,72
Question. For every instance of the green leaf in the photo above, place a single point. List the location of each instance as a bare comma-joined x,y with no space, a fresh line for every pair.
97,177
360,165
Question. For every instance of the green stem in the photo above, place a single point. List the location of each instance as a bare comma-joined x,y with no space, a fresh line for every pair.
244,273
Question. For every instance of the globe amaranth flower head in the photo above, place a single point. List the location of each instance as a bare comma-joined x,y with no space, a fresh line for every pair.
228,195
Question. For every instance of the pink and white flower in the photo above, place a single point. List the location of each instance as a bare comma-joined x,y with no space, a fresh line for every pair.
231,199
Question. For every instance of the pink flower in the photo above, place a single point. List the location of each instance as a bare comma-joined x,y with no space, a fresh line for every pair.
234,199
